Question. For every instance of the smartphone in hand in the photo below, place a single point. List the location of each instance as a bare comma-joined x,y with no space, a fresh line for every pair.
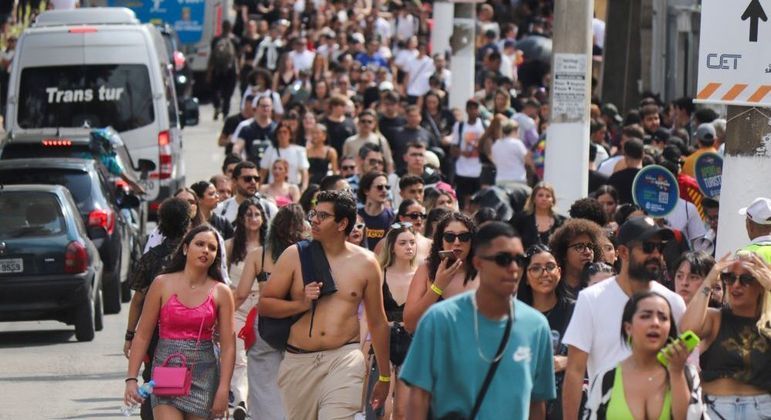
689,338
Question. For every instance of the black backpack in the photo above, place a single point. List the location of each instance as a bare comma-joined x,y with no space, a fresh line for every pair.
223,55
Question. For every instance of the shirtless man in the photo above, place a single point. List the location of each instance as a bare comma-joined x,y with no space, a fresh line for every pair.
322,374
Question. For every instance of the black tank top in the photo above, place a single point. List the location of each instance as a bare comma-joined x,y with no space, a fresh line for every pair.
318,168
394,312
739,352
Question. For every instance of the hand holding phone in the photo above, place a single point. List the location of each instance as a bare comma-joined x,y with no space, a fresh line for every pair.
688,338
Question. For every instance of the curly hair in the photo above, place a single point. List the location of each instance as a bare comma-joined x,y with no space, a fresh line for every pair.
238,253
174,218
572,228
179,258
433,257
287,228
589,209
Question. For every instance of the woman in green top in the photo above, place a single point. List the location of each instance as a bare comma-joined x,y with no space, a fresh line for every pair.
640,387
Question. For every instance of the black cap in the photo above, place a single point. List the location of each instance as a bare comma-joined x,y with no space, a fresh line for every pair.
642,228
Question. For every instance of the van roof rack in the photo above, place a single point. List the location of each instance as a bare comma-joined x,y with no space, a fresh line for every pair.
87,16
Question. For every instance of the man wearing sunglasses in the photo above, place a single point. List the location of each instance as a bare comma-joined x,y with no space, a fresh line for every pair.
366,134
246,180
322,374
458,340
592,335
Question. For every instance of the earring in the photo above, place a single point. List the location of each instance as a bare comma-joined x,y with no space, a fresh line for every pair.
629,341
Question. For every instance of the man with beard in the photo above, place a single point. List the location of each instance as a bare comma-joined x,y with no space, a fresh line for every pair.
592,336
246,179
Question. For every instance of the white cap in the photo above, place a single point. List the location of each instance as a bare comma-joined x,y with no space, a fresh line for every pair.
385,85
759,211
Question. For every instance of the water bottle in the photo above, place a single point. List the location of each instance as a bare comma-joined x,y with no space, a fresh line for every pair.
144,391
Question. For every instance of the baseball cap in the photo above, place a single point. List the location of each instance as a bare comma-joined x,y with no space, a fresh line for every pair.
706,132
385,86
642,228
611,111
759,211
661,135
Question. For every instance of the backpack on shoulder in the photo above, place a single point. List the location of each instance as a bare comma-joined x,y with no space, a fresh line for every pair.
223,54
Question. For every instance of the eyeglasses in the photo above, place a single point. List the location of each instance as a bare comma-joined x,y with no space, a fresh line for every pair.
348,167
373,162
450,237
582,246
401,225
321,215
382,187
537,270
250,178
367,121
730,278
416,215
504,259
648,246
358,226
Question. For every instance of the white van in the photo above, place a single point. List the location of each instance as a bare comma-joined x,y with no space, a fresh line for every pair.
100,67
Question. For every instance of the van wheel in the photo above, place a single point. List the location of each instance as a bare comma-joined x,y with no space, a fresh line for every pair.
112,291
98,312
84,321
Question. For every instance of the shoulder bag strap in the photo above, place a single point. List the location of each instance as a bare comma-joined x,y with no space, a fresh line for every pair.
492,369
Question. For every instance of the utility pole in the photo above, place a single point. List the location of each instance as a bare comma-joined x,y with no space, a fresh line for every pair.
746,171
443,13
463,46
567,144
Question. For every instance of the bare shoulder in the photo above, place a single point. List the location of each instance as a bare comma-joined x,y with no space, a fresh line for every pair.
221,289
361,255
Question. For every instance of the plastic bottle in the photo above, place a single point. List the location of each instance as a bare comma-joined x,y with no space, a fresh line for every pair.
144,391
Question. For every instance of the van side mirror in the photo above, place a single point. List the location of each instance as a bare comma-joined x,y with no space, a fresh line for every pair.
190,112
129,201
144,167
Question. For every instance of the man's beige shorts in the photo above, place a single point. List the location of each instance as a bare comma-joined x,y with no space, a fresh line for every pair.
323,385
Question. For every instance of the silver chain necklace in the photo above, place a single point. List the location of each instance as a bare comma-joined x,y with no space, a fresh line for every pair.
476,331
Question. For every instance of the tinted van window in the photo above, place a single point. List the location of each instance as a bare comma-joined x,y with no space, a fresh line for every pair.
30,214
78,182
117,95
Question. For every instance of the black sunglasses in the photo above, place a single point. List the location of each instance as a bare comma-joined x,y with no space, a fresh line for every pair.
416,215
504,259
348,168
648,246
450,237
383,187
730,278
250,178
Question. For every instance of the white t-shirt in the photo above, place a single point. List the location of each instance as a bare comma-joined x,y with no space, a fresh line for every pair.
278,108
468,166
595,327
228,209
419,70
606,166
404,57
598,27
685,218
302,60
293,154
404,26
509,158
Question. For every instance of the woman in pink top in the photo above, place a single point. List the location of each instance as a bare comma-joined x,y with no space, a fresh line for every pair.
186,302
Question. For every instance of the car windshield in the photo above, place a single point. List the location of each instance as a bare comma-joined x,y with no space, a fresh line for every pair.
30,213
117,95
78,182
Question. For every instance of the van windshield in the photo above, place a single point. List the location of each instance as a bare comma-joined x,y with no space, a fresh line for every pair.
117,95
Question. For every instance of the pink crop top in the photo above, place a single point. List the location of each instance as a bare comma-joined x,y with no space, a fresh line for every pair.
179,322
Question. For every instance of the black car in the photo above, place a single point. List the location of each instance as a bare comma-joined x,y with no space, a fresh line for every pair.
49,268
106,224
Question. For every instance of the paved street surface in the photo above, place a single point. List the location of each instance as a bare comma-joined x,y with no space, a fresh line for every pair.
46,374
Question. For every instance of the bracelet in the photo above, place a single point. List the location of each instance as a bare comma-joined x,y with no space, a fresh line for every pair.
383,378
129,335
436,289
706,290
131,379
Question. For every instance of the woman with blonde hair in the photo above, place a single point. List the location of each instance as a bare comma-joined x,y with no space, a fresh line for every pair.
539,218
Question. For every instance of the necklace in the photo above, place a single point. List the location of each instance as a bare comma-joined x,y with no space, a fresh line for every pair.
476,332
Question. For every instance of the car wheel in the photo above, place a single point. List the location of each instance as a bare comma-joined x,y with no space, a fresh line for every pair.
98,312
84,321
112,291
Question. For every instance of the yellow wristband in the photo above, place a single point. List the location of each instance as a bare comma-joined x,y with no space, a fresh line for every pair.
382,378
436,289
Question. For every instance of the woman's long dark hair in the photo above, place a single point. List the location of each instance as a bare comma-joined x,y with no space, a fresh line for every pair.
179,259
433,257
524,291
238,253
286,229
196,220
631,307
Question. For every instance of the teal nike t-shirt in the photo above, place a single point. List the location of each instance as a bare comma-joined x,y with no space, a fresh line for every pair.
444,360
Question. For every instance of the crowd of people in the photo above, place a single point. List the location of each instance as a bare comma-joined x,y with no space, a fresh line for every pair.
366,249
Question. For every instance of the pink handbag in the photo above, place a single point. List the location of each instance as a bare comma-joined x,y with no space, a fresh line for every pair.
172,381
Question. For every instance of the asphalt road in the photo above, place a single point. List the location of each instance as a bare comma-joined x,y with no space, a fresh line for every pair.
46,374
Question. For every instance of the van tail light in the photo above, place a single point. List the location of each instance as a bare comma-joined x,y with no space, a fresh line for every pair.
164,158
104,219
75,258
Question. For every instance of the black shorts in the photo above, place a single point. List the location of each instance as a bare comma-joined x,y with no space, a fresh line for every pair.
465,186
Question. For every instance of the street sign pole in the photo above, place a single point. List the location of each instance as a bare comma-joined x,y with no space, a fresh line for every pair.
735,70
567,138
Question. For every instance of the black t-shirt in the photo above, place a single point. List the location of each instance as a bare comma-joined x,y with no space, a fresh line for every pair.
596,180
248,48
337,132
391,128
622,182
255,134
231,123
377,226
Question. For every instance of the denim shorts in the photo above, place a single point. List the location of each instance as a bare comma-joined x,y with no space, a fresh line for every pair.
730,407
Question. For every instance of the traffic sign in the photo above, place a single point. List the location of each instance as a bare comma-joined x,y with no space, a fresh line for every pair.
734,59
